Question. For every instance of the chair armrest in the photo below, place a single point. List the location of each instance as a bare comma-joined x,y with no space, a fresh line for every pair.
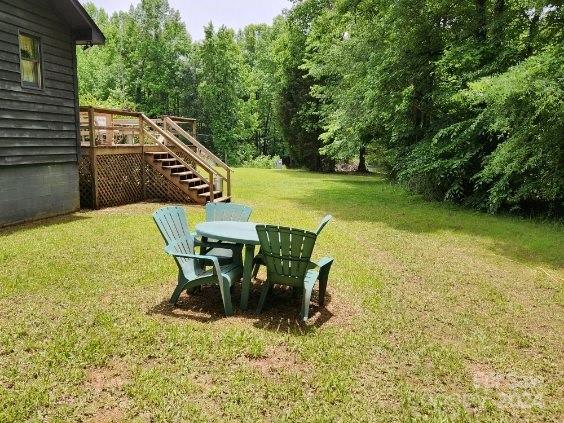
324,262
171,250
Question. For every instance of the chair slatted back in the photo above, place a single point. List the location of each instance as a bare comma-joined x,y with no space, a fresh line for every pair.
173,226
227,212
172,223
287,253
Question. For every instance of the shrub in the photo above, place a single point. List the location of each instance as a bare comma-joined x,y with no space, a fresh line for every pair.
262,162
505,152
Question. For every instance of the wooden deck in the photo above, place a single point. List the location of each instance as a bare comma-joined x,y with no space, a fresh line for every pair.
127,157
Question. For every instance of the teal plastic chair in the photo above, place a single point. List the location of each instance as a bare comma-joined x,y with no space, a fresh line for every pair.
323,223
192,273
259,260
225,212
287,254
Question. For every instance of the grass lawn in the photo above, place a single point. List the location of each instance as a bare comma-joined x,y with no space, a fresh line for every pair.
434,313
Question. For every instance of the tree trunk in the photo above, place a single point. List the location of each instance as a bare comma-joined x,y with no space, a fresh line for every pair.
265,134
498,24
481,22
362,160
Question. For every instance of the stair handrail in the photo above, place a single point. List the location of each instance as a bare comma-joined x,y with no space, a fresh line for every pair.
176,156
211,172
196,143
185,164
179,144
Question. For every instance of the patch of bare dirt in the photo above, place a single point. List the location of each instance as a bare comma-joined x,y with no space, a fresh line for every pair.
106,378
276,360
107,415
106,385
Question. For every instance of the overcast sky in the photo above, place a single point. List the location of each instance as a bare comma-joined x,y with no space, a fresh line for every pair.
197,13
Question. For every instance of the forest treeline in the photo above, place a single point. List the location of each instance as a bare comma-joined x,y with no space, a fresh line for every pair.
461,101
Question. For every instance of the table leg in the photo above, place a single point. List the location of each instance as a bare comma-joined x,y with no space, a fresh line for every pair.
247,273
203,250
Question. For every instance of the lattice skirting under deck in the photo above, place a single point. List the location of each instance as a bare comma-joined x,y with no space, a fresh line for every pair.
85,182
125,179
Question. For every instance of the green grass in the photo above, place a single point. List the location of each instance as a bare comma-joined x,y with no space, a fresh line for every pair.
435,313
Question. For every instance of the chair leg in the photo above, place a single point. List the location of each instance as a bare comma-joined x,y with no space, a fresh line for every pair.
323,278
193,290
256,268
179,288
258,262
225,289
265,289
305,305
203,250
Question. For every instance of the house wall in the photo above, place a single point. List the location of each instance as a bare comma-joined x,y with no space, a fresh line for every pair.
38,128
24,193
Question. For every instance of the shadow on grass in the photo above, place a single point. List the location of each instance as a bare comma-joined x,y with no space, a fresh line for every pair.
280,314
45,223
373,199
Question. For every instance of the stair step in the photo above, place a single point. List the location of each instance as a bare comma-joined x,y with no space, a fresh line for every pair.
190,181
174,167
222,200
167,160
207,194
184,173
199,187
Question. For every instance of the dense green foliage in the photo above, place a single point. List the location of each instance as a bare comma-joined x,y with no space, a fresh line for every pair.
227,107
460,101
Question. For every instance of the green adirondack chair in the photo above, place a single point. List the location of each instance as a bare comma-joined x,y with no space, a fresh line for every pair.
192,273
287,253
225,212
259,259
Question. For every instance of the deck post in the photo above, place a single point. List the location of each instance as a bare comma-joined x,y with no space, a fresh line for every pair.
93,164
110,132
212,186
229,183
142,142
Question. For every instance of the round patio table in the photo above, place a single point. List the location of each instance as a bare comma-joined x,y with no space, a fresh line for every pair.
244,233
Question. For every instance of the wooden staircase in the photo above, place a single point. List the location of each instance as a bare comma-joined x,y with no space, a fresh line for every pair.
187,164
185,178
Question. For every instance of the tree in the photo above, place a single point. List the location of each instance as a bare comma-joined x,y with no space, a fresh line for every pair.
146,62
298,108
428,83
227,106
256,43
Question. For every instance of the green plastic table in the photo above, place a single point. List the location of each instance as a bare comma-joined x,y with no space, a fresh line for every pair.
244,233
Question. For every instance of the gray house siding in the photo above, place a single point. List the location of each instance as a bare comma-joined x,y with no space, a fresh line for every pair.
38,127
25,195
